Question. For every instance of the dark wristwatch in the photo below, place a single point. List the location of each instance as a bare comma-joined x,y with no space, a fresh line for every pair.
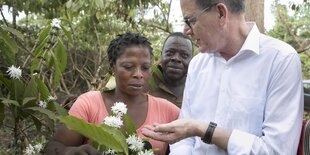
209,133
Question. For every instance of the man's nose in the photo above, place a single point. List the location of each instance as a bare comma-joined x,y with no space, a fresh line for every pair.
187,30
176,57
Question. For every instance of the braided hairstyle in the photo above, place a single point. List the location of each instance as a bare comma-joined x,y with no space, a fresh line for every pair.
122,41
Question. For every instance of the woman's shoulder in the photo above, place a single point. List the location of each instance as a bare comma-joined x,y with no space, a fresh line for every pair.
89,98
91,94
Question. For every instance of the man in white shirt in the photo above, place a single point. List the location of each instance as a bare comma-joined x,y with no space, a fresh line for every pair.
243,92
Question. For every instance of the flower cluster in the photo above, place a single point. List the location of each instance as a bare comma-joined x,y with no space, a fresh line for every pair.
56,23
32,150
14,73
42,104
115,120
135,143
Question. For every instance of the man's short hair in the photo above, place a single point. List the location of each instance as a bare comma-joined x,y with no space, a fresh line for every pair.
178,34
235,6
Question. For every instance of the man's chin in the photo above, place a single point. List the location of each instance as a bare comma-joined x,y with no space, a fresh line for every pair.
204,50
174,77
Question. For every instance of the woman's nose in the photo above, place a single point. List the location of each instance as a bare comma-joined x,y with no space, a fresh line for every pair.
138,73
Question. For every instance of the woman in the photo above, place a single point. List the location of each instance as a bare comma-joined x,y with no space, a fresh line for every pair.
130,58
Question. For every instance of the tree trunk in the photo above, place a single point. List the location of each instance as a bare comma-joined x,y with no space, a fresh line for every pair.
254,11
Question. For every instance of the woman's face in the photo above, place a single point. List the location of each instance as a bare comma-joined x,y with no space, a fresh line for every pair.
132,70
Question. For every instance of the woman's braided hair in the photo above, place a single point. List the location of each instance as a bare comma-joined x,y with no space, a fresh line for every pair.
123,41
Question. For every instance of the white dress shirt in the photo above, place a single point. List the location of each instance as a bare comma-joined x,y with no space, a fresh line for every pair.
257,94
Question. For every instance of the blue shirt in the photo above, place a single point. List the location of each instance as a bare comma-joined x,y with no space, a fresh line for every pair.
257,94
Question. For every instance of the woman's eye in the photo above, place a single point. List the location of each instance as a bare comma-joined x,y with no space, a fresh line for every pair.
128,67
145,68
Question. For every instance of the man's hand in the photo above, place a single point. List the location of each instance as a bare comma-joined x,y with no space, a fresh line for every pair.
171,132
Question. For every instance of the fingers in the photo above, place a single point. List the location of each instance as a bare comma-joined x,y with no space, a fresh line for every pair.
164,128
164,137
148,132
149,127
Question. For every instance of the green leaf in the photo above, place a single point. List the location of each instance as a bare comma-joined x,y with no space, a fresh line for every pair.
36,122
31,89
8,83
1,114
19,88
9,102
8,55
50,60
132,12
14,31
61,55
29,99
8,41
49,113
42,89
111,83
102,134
67,33
129,124
38,52
44,34
57,74
157,72
60,110
99,3
8,47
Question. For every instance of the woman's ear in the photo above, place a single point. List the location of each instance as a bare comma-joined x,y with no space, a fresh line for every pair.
112,68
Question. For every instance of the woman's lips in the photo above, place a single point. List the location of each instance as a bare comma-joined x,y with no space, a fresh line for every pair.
136,85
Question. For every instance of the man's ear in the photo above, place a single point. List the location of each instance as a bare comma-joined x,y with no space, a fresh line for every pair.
222,12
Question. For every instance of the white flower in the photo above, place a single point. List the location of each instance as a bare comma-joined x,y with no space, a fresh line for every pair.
15,73
56,23
30,150
38,147
42,104
110,152
113,121
119,109
51,98
135,143
146,152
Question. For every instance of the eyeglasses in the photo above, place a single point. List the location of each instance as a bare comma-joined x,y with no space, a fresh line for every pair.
191,20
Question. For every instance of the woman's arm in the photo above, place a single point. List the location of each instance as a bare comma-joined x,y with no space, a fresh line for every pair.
68,142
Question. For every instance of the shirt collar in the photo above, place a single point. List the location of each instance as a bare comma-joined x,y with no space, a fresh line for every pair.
252,41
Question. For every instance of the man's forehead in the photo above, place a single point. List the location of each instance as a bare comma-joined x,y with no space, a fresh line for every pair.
178,40
188,7
178,43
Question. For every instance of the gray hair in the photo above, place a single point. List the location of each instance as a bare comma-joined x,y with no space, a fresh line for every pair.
235,6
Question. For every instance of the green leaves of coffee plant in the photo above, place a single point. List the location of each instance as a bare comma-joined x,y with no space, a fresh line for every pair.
101,134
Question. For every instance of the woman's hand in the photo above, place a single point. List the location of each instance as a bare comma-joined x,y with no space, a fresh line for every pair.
85,149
